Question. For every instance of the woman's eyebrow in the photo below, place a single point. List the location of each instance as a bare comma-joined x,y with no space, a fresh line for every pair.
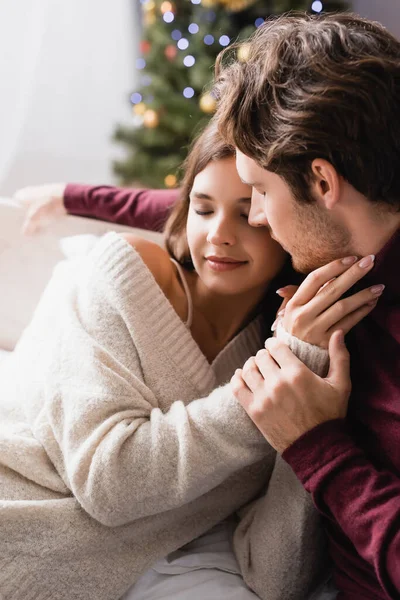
202,196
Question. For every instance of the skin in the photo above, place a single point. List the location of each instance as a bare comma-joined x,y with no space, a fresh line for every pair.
282,396
218,226
340,221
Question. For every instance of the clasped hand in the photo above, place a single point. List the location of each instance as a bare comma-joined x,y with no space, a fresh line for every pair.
280,394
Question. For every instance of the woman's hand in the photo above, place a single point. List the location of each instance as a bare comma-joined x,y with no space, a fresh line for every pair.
316,309
43,204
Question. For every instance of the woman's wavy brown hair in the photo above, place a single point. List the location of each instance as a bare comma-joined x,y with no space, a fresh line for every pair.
317,86
208,146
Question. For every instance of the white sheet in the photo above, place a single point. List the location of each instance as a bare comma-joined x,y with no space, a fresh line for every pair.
3,355
205,568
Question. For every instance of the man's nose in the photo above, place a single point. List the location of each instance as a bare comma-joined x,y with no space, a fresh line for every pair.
257,217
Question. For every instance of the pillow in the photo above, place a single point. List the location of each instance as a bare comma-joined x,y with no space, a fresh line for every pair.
26,263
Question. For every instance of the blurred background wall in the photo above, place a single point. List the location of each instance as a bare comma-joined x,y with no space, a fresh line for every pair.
66,69
385,11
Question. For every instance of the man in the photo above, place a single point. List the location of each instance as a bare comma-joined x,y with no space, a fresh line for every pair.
313,114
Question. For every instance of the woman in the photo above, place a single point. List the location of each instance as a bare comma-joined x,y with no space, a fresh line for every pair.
114,450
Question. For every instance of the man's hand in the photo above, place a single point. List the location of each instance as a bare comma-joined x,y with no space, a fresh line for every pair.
43,204
284,398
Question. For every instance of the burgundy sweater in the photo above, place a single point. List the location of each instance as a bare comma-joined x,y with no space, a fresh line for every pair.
351,467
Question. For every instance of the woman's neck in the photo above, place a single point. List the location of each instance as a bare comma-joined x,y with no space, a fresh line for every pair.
218,318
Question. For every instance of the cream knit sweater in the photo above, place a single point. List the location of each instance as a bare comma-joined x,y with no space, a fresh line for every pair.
114,451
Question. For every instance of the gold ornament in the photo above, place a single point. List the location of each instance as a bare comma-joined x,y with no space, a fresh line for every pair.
166,6
139,109
209,3
243,52
236,5
150,119
149,6
149,13
207,103
170,181
149,18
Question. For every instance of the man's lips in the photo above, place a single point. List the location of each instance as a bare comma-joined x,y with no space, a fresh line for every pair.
224,263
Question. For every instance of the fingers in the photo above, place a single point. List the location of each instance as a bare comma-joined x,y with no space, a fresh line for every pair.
287,292
348,306
281,355
333,292
339,370
345,273
251,374
34,220
240,389
348,322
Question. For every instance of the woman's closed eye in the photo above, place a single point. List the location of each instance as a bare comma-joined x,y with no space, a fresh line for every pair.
203,213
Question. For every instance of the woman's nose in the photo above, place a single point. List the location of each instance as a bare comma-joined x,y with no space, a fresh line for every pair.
221,233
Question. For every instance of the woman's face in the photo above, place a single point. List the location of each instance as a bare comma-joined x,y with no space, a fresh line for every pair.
229,255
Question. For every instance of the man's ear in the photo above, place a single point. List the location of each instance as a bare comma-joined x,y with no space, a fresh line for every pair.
326,183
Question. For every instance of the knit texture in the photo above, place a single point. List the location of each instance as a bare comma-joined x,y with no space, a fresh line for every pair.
114,450
316,357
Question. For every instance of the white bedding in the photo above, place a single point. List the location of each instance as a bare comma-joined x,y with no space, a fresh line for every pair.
205,568
3,355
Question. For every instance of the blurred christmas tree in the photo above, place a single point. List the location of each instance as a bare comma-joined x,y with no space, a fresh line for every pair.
181,39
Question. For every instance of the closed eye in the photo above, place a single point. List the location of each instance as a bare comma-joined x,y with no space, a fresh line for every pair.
203,213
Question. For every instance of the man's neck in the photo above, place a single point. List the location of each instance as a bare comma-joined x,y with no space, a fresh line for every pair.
371,232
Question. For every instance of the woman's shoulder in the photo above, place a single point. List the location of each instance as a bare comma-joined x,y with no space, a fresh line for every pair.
156,259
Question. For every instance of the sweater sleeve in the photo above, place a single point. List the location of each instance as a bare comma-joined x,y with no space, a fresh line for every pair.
279,542
146,209
120,455
347,488
282,529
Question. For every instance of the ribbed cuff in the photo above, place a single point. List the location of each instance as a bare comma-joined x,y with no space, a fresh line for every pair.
314,357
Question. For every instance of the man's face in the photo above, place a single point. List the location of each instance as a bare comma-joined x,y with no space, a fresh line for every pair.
305,230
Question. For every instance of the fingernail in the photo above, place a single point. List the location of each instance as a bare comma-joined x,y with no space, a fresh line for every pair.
367,261
274,325
279,292
349,260
377,289
281,313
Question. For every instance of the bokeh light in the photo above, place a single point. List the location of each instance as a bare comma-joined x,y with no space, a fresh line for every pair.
188,92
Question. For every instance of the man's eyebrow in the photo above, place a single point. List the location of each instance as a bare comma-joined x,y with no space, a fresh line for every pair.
245,200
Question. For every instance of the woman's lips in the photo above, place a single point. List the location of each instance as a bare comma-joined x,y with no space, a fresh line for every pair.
224,264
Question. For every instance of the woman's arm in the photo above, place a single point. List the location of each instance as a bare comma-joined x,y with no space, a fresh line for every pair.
142,208
279,542
121,456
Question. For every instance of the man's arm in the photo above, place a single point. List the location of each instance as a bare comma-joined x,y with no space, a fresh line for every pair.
142,208
146,209
302,416
347,487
